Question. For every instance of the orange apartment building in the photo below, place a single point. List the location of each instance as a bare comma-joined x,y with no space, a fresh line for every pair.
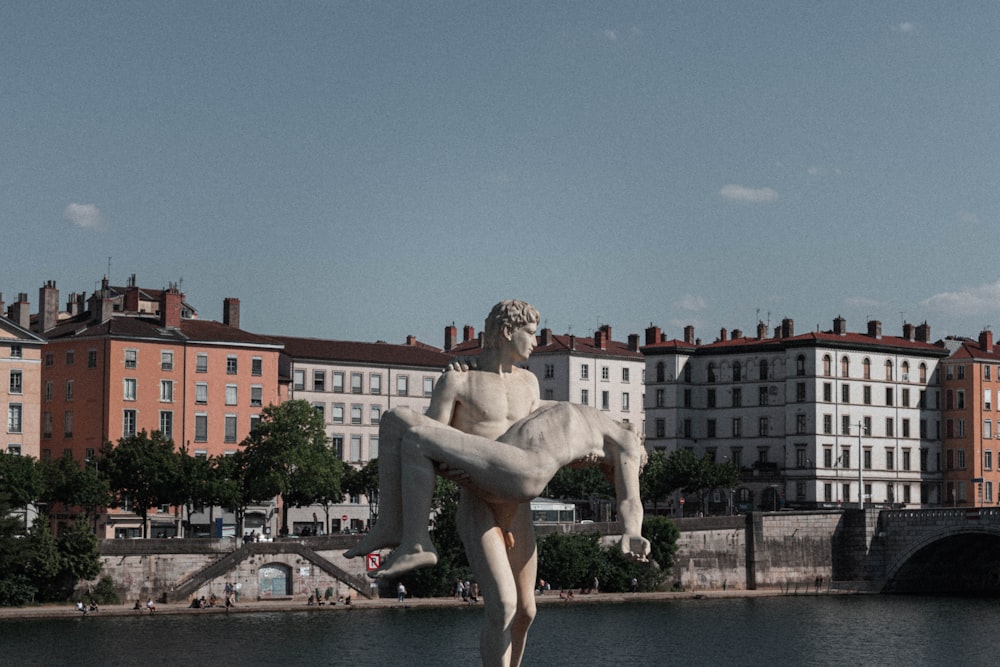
971,417
131,359
20,380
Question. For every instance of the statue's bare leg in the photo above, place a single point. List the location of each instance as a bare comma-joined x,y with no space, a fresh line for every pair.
387,531
487,552
523,559
415,547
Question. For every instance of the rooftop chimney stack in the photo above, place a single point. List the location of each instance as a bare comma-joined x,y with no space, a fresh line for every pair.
924,333
411,340
653,335
20,311
547,338
3,313
633,342
761,330
468,333
722,334
231,312
875,329
787,328
986,341
689,335
907,331
450,337
737,333
48,306
170,307
839,326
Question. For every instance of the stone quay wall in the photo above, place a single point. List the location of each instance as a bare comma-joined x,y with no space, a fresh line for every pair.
759,550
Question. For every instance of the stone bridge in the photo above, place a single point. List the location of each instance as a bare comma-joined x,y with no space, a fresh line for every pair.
936,551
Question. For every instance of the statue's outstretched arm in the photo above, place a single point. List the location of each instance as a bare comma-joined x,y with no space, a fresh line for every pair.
626,458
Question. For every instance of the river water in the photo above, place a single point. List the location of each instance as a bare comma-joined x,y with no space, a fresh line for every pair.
807,630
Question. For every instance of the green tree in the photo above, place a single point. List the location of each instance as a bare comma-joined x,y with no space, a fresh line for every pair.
42,562
16,589
65,483
662,534
142,470
21,478
363,481
571,560
452,561
195,486
654,481
284,455
79,556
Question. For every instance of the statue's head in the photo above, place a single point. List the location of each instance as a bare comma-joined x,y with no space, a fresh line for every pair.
512,315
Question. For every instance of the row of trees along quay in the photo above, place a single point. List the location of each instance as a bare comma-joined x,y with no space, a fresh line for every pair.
286,455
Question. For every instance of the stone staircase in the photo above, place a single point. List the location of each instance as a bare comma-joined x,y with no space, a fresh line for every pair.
186,587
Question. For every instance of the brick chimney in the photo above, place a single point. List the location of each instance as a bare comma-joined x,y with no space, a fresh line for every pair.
689,334
787,328
231,312
761,330
633,342
722,335
652,335
986,341
468,333
411,340
3,313
601,337
875,329
737,334
450,337
839,325
170,307
924,333
907,331
48,306
131,300
546,337
102,306
20,311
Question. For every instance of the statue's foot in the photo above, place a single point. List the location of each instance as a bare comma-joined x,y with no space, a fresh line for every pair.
369,543
405,559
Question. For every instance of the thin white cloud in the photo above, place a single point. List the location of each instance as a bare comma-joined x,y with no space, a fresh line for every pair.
967,301
611,35
968,217
691,302
85,216
741,193
861,302
905,27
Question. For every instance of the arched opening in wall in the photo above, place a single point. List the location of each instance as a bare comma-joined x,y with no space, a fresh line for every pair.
965,564
275,580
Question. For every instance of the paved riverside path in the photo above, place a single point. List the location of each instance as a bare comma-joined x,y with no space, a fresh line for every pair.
263,606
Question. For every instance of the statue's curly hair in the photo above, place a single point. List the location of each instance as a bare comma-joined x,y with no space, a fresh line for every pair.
511,313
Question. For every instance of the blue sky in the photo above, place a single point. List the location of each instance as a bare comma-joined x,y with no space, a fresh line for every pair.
369,170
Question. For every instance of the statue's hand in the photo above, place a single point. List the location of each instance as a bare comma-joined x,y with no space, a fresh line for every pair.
635,547
463,364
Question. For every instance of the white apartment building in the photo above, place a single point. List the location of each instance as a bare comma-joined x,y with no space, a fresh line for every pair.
812,420
352,384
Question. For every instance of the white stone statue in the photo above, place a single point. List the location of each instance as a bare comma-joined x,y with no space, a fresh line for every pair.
488,429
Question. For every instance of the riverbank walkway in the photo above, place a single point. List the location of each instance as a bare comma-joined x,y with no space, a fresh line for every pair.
285,604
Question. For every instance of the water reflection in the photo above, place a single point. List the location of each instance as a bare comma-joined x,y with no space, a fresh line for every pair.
870,630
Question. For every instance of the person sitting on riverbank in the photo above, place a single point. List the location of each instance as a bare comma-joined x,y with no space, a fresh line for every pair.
137,606
150,606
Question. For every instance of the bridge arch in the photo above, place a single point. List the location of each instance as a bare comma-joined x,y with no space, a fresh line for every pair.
956,560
